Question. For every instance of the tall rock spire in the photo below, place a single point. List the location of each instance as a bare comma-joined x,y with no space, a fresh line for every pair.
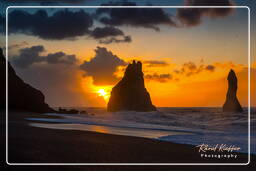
130,93
232,104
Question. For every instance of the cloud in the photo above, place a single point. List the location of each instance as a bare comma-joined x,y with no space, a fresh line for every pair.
193,16
155,63
109,34
18,45
124,39
225,65
67,24
158,77
60,57
190,68
28,56
136,17
32,55
63,24
102,32
102,66
210,68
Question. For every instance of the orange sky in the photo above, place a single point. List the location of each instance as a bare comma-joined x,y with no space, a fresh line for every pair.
182,81
203,89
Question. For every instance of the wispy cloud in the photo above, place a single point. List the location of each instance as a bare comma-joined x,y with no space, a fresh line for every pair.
159,77
190,68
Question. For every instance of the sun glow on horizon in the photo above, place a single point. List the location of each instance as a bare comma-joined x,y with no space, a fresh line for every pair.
104,92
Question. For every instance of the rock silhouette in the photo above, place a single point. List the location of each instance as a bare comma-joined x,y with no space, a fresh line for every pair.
71,111
130,93
65,111
232,104
21,96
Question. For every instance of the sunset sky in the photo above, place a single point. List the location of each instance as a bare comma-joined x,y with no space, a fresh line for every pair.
75,56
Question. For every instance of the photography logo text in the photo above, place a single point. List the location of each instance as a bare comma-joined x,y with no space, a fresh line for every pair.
218,151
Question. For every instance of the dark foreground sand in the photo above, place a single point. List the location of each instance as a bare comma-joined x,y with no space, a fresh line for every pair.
28,144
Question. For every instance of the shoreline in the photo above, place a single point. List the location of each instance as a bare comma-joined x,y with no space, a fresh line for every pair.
40,145
119,124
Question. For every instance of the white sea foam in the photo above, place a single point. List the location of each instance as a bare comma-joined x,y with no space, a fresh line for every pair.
180,125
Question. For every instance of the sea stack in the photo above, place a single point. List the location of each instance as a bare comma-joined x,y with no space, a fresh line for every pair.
232,104
21,96
130,93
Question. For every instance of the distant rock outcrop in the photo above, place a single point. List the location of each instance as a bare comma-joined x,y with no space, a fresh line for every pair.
130,93
71,111
21,96
65,111
232,104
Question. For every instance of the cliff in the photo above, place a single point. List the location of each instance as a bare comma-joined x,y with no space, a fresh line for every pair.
21,96
130,93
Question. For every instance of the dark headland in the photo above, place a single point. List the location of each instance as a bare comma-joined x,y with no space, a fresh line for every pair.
130,93
21,96
232,104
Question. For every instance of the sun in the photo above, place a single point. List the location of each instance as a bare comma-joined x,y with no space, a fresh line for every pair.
103,93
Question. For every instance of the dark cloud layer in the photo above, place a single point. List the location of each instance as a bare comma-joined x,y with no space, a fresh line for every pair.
136,17
102,66
32,55
67,24
63,24
193,16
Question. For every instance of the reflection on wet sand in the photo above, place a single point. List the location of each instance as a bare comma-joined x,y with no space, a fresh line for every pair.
110,130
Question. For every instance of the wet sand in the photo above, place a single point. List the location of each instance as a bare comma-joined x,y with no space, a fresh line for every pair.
28,144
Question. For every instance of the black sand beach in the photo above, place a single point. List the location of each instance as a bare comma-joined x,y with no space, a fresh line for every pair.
28,144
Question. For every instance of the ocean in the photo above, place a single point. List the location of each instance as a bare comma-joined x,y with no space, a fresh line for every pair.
193,126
